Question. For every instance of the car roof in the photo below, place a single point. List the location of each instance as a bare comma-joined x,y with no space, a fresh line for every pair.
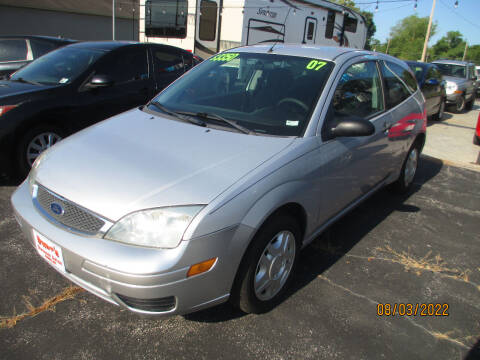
103,45
329,53
452,62
315,51
39,37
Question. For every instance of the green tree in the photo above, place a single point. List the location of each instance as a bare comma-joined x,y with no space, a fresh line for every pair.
451,46
408,36
369,23
473,54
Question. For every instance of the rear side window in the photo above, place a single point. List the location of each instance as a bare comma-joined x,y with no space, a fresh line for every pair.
13,50
330,24
396,88
125,66
167,61
40,47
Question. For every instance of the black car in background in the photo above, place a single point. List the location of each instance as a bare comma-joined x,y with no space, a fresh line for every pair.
431,83
76,86
18,51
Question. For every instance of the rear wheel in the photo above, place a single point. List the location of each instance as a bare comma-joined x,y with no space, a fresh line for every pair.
33,143
409,170
441,109
476,139
267,267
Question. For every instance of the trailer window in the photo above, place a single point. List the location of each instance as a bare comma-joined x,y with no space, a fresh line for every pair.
166,18
208,20
311,28
330,24
350,24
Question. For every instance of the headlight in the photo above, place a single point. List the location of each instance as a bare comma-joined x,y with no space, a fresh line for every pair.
451,87
33,171
160,228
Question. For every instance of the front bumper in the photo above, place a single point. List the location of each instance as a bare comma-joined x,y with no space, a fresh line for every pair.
453,98
129,276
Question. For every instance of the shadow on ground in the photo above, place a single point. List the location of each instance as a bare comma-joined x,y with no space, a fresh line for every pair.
339,238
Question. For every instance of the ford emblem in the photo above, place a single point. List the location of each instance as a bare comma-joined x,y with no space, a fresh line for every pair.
57,209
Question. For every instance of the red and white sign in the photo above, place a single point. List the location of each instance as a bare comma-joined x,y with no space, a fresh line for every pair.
49,251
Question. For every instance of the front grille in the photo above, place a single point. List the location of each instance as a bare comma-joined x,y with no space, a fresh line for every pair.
73,216
152,305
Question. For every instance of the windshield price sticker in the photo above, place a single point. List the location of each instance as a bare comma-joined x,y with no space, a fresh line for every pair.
315,65
224,57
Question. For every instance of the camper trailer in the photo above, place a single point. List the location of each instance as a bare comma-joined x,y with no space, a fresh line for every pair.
209,26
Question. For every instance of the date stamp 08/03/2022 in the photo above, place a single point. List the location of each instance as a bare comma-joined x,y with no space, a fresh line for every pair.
412,309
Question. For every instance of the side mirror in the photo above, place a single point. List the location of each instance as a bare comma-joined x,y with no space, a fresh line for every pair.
353,126
98,81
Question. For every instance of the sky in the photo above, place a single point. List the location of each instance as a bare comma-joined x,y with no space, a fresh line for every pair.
465,18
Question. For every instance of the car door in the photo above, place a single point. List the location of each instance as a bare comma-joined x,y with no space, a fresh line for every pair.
405,110
354,166
168,65
128,69
431,91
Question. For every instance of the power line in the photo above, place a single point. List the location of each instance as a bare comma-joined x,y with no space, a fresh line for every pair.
458,14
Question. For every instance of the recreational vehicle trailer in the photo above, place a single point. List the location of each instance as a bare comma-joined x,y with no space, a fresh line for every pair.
209,26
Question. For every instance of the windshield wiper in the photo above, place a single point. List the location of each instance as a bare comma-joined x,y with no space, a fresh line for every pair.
22,80
212,116
177,114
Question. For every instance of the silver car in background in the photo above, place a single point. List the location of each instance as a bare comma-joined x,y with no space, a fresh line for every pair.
210,191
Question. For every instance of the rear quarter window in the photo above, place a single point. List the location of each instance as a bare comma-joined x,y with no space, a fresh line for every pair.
13,50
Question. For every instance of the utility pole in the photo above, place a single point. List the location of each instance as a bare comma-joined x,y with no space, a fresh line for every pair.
113,19
465,52
427,37
388,45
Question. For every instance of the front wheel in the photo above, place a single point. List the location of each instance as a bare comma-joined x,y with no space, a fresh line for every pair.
460,105
267,267
33,143
409,170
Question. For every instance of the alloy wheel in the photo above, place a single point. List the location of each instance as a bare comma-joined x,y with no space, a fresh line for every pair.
40,143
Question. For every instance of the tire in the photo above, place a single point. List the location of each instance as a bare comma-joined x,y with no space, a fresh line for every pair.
476,139
459,106
263,277
469,105
409,170
32,143
441,109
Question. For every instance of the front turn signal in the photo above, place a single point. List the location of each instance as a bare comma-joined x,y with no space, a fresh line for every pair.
202,267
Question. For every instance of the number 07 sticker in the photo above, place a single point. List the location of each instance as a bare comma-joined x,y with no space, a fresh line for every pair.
315,65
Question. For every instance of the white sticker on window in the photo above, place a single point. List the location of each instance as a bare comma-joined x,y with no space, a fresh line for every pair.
63,80
292,123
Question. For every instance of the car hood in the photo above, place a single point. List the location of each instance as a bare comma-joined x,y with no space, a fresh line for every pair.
454,79
11,88
137,161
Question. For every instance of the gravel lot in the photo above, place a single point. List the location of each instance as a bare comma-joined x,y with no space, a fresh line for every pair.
420,248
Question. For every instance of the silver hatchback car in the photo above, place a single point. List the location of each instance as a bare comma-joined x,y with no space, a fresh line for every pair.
209,192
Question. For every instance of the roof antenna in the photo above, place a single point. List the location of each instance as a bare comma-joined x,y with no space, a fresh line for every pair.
275,43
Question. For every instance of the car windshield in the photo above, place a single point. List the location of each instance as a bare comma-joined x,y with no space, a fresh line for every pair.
264,93
61,66
452,70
